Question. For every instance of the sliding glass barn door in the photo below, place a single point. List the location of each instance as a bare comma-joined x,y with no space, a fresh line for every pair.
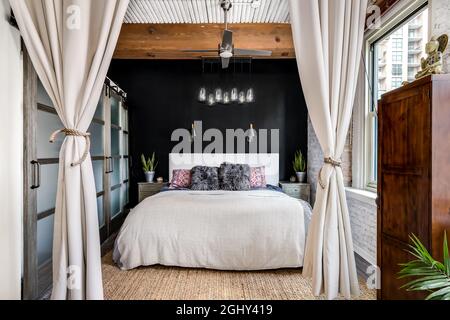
109,152
117,179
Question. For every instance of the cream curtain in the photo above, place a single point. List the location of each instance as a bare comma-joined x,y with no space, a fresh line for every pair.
328,36
71,43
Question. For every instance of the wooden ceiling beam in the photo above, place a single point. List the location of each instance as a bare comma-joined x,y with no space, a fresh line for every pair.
166,41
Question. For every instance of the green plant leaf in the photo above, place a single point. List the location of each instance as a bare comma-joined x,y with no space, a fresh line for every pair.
431,274
439,293
430,285
446,255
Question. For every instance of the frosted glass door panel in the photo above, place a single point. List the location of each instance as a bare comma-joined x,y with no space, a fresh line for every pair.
42,96
124,118
99,112
125,174
101,213
115,111
115,203
47,123
125,150
115,142
115,176
124,195
46,194
97,137
98,167
45,239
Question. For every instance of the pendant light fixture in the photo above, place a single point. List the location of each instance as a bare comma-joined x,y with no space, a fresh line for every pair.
251,133
227,93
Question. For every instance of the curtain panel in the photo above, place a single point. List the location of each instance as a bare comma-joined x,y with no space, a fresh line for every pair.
328,37
71,44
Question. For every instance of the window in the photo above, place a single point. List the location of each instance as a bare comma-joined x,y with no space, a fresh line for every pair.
397,56
396,82
397,44
397,70
388,74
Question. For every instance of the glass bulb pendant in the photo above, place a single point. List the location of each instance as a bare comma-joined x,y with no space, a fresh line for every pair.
250,96
211,100
241,97
218,95
226,98
202,95
234,95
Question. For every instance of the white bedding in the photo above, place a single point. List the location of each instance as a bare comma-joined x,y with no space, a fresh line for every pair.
248,230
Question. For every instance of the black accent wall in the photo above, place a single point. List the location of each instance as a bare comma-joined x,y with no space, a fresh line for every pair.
162,97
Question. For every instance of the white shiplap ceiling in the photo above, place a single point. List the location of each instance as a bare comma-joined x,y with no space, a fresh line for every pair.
206,11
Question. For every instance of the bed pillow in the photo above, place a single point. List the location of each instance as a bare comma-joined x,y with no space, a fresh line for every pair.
234,177
204,178
181,179
258,177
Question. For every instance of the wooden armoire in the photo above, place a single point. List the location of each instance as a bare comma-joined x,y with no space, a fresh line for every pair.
413,176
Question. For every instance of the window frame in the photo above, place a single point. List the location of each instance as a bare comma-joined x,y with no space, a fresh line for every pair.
390,26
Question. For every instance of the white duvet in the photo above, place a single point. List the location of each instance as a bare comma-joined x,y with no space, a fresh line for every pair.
248,230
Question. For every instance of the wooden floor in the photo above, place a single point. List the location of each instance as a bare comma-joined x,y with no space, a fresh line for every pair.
164,283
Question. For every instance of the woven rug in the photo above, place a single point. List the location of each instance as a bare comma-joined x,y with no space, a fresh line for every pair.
170,283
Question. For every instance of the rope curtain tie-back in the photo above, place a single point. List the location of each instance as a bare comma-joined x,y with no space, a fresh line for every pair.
332,162
75,133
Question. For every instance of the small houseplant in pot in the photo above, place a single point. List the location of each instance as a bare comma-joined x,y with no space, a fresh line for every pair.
149,166
299,165
428,274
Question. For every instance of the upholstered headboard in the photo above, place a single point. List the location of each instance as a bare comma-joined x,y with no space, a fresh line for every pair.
189,160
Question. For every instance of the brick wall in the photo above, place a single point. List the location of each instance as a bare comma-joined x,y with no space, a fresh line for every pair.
363,219
315,160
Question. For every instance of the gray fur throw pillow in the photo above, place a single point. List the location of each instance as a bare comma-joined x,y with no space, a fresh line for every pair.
204,178
234,177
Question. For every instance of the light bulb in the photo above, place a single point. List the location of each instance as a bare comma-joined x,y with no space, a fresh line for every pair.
202,95
241,97
211,100
218,95
250,96
251,134
234,95
226,98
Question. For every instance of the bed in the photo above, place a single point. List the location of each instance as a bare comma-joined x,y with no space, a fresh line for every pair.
225,230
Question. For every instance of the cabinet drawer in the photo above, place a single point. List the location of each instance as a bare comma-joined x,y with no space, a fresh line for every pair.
151,187
297,191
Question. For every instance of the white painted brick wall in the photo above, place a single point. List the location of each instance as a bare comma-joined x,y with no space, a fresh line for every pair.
315,160
440,23
363,220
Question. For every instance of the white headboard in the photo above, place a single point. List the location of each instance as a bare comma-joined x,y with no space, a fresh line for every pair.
189,160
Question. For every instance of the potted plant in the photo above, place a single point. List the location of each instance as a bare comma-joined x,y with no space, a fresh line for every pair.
299,165
149,166
430,275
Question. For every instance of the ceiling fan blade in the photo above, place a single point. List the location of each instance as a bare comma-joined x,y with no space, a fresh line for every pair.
225,63
227,41
200,50
247,52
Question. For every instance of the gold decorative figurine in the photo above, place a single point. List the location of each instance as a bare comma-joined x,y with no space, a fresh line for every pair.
435,51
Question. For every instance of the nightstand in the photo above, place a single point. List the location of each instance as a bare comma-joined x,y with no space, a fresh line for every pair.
147,189
301,191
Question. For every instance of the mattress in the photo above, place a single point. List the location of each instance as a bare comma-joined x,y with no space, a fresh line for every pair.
223,230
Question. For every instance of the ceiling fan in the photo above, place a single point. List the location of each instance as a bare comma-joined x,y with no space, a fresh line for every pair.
226,48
